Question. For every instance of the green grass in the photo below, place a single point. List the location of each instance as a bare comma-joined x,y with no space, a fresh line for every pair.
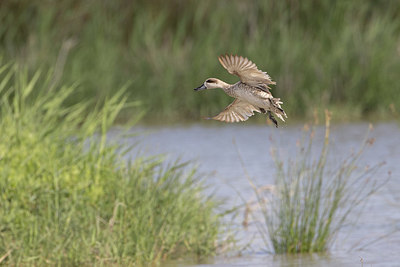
68,196
312,200
341,55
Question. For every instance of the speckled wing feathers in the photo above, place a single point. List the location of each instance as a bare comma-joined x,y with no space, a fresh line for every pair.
237,111
246,70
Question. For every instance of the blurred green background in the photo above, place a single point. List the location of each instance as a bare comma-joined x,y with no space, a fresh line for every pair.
341,55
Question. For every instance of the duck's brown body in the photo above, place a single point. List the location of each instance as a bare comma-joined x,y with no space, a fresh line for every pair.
261,99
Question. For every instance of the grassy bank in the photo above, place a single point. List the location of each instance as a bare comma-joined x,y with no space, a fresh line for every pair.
67,196
311,200
343,55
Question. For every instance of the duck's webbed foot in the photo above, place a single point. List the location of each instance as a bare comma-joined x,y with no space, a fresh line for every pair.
272,118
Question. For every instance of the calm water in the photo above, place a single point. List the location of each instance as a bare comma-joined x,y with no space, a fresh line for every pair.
218,150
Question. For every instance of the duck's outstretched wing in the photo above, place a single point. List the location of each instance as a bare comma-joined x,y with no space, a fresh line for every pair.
237,111
246,70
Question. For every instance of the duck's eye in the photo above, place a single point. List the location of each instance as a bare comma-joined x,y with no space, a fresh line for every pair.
209,81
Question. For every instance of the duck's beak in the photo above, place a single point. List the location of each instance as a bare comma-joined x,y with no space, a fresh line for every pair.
201,87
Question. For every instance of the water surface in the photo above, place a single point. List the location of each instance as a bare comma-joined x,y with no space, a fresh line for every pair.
227,154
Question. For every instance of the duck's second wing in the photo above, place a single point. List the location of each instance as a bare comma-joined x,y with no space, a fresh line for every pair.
237,111
246,70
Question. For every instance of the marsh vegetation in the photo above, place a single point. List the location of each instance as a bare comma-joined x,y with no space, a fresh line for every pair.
68,196
341,55
312,199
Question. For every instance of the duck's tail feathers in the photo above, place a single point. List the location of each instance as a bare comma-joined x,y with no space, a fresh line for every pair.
276,108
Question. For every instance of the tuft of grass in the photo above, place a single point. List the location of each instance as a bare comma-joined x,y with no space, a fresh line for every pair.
68,197
342,54
311,201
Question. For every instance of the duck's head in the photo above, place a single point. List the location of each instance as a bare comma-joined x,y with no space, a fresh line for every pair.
212,83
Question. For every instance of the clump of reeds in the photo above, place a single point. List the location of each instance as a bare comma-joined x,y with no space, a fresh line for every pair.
68,196
311,199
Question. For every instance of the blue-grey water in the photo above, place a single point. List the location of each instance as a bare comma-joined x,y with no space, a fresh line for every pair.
228,155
